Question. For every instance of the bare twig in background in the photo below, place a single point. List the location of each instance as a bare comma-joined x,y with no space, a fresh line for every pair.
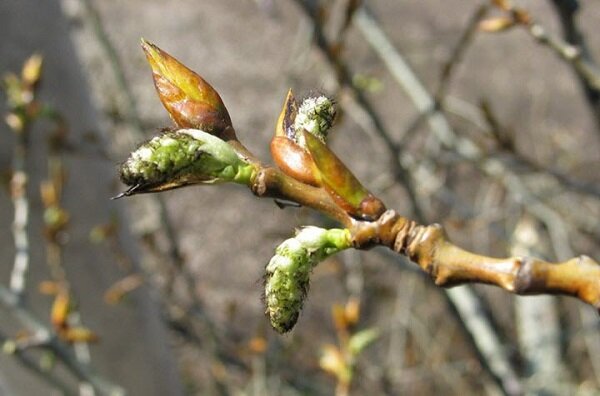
567,12
589,320
495,167
56,220
458,52
485,337
48,341
19,195
540,345
10,348
22,108
573,51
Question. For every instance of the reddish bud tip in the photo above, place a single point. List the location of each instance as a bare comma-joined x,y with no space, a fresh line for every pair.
189,99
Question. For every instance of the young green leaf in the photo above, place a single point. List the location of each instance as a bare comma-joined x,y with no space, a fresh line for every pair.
341,184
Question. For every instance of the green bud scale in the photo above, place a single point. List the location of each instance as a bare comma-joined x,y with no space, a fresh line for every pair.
288,272
182,157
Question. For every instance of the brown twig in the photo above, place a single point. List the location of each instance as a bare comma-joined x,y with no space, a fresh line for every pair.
508,152
450,265
271,182
573,53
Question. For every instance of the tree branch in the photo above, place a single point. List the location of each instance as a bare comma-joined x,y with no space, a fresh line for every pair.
271,182
449,265
573,49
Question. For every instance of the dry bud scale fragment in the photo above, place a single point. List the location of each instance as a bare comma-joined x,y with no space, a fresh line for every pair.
205,150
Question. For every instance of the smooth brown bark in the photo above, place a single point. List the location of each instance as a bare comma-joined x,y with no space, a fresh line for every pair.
450,265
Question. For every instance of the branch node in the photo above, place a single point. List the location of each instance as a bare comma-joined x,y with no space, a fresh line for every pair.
524,278
259,186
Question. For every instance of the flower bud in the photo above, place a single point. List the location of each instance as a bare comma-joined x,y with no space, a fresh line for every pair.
183,157
299,149
316,116
288,272
189,99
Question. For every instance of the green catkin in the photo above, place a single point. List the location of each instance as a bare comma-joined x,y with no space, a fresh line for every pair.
288,272
184,156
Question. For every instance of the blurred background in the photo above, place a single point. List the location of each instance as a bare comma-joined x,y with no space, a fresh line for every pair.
479,116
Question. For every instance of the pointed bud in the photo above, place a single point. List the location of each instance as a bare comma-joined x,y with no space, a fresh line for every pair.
180,158
288,272
342,185
189,99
